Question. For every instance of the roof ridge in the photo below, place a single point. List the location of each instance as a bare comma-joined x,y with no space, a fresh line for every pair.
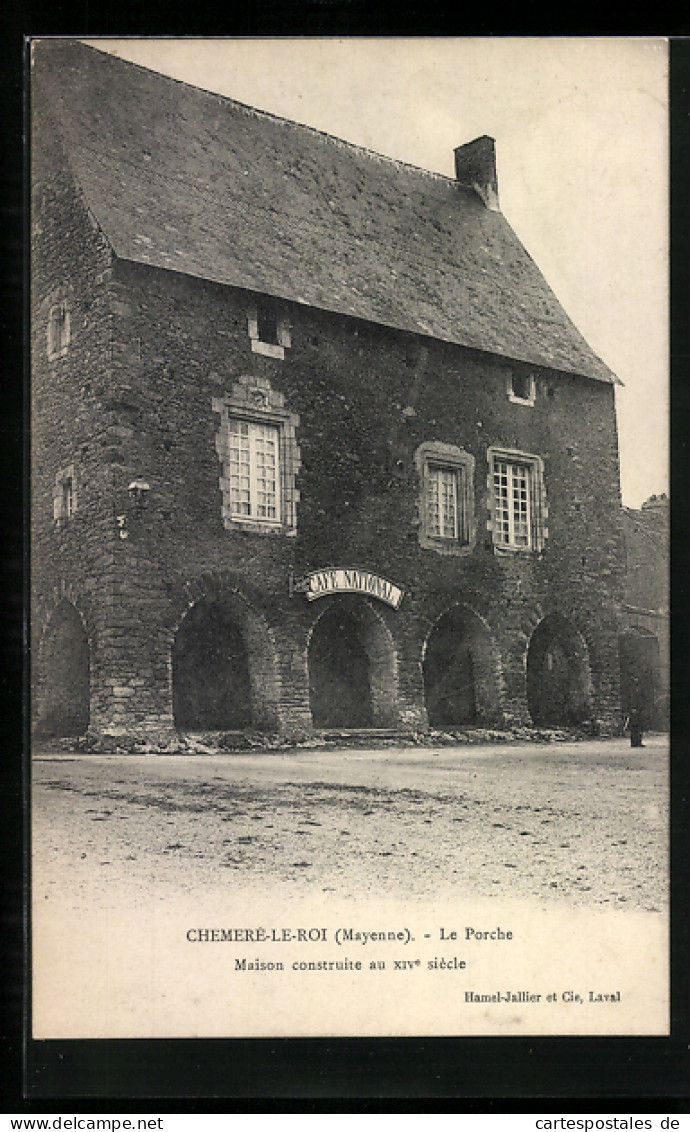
461,273
190,187
257,112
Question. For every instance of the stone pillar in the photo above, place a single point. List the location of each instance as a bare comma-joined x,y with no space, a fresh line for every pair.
411,630
290,637
131,696
512,642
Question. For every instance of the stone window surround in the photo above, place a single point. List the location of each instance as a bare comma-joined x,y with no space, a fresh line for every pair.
513,396
268,349
58,329
434,453
539,511
64,477
252,399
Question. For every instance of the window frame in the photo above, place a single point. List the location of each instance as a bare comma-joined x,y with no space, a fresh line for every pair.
58,330
253,425
433,456
283,338
68,497
63,510
537,509
514,397
253,401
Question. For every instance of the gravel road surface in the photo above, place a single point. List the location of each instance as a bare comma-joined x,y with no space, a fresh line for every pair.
579,823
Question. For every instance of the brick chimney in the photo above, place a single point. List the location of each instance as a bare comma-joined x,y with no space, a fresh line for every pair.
475,168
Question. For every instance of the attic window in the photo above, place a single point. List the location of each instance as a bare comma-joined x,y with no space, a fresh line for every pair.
521,387
269,332
267,325
58,331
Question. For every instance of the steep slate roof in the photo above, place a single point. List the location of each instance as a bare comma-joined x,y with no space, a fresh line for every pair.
194,182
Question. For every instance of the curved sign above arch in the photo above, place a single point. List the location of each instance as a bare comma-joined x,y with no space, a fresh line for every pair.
345,579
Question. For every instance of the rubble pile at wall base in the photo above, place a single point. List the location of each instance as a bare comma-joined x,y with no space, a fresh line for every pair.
219,743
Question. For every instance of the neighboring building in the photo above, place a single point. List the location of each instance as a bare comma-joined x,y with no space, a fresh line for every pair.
644,643
314,443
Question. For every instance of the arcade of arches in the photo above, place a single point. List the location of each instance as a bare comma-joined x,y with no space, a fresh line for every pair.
225,670
222,671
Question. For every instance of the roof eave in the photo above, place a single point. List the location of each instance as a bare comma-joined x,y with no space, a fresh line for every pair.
609,378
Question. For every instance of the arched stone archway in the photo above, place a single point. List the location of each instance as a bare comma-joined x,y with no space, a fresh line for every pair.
63,685
223,668
559,682
639,663
461,671
352,668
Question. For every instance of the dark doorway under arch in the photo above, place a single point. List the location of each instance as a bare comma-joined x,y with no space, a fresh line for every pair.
639,664
351,669
460,680
64,675
210,671
558,675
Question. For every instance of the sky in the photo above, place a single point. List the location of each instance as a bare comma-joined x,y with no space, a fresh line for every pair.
581,129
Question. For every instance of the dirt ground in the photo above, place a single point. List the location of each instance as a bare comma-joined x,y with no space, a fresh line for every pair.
577,823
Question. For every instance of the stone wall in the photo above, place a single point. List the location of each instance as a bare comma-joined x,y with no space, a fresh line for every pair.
645,643
72,427
136,397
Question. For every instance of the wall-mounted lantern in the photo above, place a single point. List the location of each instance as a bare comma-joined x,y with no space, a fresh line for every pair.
138,492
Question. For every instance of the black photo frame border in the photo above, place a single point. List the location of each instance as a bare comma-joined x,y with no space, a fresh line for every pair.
311,1074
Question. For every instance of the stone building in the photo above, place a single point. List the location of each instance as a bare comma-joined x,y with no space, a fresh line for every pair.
314,443
645,639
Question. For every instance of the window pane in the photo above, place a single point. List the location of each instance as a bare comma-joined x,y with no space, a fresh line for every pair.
512,503
449,525
520,505
253,469
501,502
239,468
433,502
442,502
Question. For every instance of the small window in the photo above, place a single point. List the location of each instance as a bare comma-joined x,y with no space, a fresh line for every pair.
269,331
521,387
67,498
267,326
518,505
446,503
58,330
64,495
